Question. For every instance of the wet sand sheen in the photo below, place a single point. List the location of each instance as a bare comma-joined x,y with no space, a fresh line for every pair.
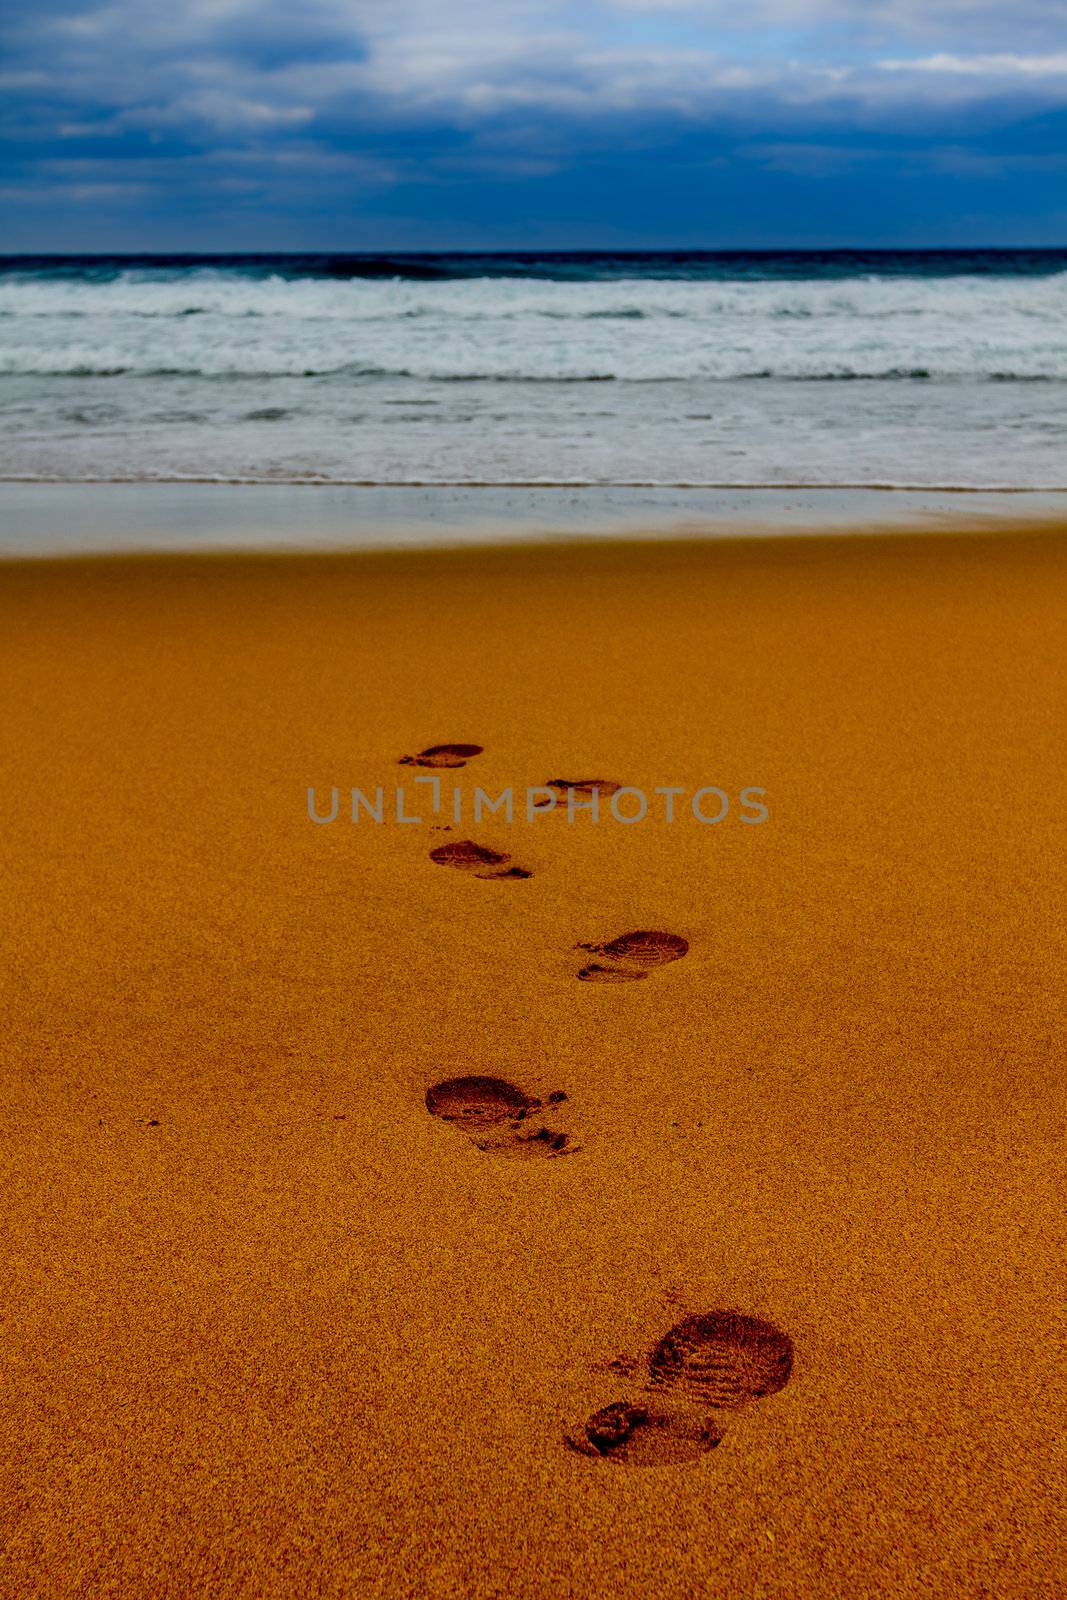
285,1322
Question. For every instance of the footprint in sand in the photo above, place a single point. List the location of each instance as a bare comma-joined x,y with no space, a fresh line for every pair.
705,1366
584,788
498,1117
442,755
632,956
477,860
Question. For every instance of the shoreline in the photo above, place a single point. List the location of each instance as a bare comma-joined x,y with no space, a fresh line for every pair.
41,519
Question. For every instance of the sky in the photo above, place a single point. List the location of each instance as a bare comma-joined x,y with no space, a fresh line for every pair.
447,124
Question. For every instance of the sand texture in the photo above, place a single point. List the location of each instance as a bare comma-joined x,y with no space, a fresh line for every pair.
356,1245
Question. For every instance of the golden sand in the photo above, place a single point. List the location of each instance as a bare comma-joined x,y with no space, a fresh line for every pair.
276,1325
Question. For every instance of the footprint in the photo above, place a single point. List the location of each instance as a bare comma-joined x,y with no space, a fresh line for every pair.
498,1117
443,755
717,1362
584,787
632,956
476,859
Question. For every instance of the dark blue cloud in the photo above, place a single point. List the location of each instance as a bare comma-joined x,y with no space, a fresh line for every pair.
378,123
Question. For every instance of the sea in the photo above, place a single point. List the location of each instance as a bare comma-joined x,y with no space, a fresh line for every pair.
663,370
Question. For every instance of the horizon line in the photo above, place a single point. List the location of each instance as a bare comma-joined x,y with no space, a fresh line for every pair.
570,250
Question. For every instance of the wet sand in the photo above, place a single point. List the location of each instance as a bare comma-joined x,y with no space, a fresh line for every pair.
742,1277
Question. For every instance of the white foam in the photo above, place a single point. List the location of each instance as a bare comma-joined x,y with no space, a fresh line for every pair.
215,324
226,375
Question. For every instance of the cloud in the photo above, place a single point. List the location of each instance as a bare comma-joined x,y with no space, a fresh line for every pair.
220,110
412,58
903,19
990,67
362,96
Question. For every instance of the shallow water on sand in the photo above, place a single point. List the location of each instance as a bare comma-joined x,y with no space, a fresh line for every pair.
46,519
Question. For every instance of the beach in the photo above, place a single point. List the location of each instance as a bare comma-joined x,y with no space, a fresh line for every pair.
279,1324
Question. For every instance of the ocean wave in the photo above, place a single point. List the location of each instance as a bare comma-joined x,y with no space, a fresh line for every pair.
582,266
653,372
206,292
917,374
312,480
210,324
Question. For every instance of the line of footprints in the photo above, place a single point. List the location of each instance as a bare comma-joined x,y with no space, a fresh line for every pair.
708,1365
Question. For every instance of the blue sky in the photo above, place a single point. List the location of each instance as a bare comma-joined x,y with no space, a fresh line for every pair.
405,124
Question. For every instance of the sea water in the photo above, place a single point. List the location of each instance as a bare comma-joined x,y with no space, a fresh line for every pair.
924,369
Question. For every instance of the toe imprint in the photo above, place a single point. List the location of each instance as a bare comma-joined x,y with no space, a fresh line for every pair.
496,1115
477,859
443,755
723,1359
